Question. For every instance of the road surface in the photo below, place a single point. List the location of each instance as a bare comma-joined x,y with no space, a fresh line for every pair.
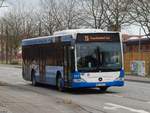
19,96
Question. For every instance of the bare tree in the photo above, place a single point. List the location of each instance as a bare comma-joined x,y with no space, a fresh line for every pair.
2,36
1,4
11,31
117,13
141,14
2,43
94,13
70,14
54,15
30,26
50,16
16,24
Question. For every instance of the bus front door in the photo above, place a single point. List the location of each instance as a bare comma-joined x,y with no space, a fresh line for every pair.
67,64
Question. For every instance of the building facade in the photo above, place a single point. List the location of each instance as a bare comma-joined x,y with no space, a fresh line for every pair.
137,50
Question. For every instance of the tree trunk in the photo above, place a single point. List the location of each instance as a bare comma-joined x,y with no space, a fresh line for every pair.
6,48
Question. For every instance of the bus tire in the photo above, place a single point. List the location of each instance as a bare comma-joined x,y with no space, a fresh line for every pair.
34,82
59,83
103,88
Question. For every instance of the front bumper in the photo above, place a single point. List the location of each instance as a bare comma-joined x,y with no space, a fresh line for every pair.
118,83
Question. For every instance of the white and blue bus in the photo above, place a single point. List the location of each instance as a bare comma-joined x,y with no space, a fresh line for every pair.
79,58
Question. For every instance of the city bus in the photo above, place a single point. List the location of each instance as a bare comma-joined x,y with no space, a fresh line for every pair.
77,58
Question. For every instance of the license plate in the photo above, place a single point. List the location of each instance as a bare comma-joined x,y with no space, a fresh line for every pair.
103,84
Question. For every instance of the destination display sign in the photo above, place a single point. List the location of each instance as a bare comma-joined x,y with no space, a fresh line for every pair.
98,37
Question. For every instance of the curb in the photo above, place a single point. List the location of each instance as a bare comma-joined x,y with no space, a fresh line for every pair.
133,80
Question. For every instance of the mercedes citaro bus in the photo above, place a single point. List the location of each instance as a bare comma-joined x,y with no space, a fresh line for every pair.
79,58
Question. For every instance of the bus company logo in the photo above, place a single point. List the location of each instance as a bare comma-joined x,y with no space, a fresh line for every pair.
86,38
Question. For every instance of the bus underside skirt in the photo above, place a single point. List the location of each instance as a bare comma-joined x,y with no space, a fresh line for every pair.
97,84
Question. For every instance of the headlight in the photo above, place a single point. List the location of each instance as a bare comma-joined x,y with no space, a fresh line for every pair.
76,75
78,80
120,78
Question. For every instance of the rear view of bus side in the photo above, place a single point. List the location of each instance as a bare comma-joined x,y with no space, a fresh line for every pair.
81,58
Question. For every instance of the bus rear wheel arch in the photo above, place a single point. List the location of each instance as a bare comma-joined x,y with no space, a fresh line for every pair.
103,88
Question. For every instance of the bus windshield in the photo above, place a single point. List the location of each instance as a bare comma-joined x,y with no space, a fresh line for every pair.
99,56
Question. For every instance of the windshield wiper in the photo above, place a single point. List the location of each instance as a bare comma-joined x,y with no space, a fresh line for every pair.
102,69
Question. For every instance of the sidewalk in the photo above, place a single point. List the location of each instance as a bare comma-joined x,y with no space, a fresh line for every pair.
137,78
9,65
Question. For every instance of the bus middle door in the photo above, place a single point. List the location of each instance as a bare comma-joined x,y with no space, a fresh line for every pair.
42,63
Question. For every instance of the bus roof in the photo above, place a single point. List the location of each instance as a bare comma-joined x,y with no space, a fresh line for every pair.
66,35
45,40
38,40
76,31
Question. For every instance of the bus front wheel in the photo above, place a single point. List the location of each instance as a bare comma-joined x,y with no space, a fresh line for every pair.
103,88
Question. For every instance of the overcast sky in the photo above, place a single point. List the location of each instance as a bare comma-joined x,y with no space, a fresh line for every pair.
36,3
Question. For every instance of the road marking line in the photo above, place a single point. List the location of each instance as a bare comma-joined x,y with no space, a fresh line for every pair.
115,95
112,106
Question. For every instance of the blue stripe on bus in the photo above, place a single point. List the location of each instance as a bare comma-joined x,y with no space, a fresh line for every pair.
49,80
122,73
95,84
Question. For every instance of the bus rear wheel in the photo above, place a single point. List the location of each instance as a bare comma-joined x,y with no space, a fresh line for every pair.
103,88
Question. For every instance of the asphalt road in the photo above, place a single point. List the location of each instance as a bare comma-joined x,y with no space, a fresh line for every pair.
19,96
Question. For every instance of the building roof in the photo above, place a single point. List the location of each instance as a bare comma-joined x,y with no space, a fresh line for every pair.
136,41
